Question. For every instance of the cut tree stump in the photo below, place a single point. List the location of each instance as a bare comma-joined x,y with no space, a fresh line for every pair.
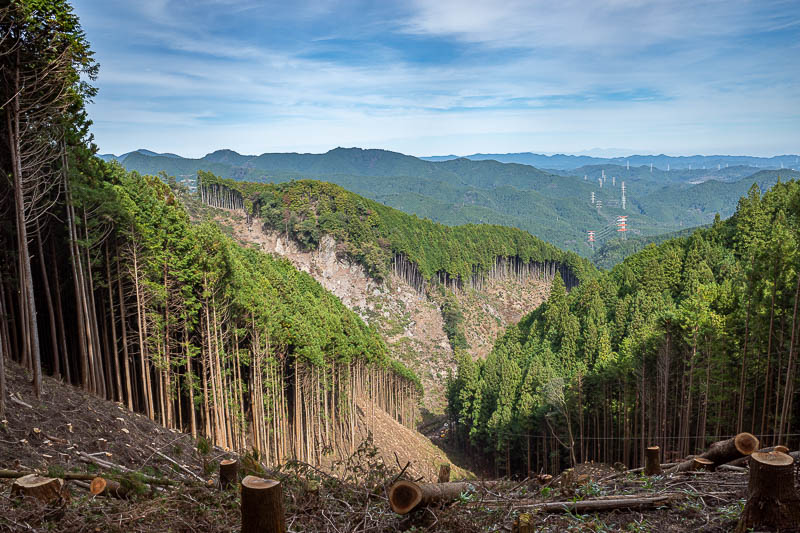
652,466
44,489
722,452
772,500
742,461
444,473
108,487
701,463
405,496
228,473
262,506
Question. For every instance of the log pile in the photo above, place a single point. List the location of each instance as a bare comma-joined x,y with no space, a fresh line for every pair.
720,453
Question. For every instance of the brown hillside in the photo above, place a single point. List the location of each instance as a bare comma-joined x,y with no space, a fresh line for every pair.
52,432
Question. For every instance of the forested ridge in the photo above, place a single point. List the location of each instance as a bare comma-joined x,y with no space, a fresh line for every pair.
106,284
381,238
681,343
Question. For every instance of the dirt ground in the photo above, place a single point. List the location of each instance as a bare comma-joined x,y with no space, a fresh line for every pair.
47,436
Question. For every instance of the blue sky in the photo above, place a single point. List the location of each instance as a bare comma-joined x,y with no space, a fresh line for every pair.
446,76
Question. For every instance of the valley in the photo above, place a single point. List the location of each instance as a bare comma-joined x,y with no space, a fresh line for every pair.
359,340
555,205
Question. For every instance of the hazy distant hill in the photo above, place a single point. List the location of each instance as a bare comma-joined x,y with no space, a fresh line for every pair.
570,162
553,205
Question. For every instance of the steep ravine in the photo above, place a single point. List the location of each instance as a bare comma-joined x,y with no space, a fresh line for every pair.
410,323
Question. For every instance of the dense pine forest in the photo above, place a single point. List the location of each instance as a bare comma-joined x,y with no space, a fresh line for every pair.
679,345
105,283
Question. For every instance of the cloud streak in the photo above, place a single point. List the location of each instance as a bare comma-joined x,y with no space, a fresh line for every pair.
445,76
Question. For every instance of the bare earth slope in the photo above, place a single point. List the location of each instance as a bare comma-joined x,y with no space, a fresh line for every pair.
66,421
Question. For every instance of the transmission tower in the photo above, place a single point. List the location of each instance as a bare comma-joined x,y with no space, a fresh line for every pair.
591,239
622,224
623,195
592,197
613,181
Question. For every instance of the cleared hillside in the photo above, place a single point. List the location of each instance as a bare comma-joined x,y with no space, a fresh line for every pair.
389,292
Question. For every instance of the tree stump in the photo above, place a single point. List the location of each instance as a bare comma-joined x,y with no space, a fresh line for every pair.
444,473
44,489
701,463
262,506
743,461
108,487
228,473
523,524
771,497
652,465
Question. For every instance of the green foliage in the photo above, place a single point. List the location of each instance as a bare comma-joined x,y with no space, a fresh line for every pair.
373,234
454,322
669,322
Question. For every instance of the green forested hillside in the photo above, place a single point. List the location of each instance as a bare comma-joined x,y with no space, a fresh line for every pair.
681,343
375,235
614,251
105,284
555,207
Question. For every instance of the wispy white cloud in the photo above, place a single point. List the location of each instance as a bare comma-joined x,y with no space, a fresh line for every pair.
445,76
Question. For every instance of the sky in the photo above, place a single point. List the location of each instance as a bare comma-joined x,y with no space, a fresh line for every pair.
443,77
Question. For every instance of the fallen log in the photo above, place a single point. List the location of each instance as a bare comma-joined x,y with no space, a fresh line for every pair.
607,504
651,466
772,501
742,461
109,488
262,506
721,452
405,496
44,489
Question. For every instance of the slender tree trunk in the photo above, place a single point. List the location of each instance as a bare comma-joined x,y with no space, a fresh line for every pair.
62,335
123,313
26,277
49,301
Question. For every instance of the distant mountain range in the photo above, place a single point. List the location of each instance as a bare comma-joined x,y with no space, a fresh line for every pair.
554,205
570,162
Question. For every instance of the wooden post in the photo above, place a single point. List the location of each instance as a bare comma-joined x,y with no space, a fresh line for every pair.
444,473
771,497
45,489
262,506
228,473
652,465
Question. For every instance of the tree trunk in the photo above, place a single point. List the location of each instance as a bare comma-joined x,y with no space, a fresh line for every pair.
109,488
723,452
772,500
262,506
405,496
